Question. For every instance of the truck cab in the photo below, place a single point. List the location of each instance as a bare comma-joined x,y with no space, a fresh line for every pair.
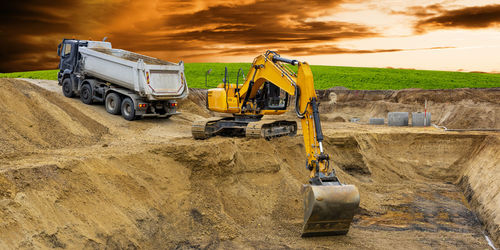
67,50
69,75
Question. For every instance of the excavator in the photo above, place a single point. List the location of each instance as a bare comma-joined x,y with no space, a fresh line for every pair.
329,205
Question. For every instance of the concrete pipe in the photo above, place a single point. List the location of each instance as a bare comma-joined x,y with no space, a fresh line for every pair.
377,121
420,119
397,119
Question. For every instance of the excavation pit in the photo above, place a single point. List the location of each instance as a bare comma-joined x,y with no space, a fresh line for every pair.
148,184
412,187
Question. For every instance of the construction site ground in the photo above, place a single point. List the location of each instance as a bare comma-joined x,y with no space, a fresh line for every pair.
74,176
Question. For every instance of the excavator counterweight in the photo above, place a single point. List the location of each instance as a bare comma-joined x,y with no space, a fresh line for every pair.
329,205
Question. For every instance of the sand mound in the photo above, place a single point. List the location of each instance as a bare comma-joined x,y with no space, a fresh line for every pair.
34,118
195,103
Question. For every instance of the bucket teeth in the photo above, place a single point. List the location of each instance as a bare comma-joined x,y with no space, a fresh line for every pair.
329,209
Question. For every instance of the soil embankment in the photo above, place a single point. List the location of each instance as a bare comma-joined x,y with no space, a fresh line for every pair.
147,184
480,181
452,108
32,119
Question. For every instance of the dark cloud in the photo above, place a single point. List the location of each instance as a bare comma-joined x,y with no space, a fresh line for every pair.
31,30
242,29
421,11
436,17
304,51
264,22
336,50
175,30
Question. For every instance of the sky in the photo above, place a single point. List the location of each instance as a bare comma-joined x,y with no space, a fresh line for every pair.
452,35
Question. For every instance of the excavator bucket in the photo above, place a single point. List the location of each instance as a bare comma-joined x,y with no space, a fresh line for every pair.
329,209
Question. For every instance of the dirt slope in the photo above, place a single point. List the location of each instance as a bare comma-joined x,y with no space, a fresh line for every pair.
147,184
35,119
480,181
453,108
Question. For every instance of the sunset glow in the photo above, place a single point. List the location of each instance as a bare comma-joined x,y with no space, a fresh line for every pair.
437,35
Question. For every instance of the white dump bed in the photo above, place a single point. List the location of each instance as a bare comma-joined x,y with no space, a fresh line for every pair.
150,77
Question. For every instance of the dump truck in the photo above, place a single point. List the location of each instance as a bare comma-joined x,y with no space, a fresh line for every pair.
128,83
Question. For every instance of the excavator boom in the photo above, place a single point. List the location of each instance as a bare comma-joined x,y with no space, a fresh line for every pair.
329,205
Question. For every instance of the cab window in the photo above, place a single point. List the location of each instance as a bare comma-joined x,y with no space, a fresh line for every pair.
67,49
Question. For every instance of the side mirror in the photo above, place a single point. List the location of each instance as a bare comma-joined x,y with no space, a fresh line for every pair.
59,50
206,77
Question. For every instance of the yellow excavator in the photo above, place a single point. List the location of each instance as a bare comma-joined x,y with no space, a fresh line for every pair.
329,205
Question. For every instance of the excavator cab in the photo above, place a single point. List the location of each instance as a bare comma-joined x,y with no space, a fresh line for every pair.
271,97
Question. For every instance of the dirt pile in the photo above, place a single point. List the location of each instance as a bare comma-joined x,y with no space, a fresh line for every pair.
147,184
194,104
33,118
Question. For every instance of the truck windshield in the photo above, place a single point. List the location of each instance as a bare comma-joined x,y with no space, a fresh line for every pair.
67,49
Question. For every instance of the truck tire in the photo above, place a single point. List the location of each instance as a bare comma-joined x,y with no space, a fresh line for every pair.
67,89
128,110
86,94
113,103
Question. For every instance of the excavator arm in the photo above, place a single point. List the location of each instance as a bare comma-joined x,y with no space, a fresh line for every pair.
270,68
329,205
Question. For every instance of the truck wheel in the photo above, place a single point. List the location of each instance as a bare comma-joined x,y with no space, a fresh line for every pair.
113,103
86,94
128,110
67,89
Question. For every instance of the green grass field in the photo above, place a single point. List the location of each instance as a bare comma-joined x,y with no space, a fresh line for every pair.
329,76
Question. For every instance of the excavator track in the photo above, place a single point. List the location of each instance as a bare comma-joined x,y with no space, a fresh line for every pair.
269,129
203,129
200,129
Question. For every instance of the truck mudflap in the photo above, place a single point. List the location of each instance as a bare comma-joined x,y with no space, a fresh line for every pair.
329,209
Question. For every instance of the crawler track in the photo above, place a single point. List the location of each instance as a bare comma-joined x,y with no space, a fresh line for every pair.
268,129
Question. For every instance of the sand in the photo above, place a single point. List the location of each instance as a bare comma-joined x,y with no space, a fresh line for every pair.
34,119
147,184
